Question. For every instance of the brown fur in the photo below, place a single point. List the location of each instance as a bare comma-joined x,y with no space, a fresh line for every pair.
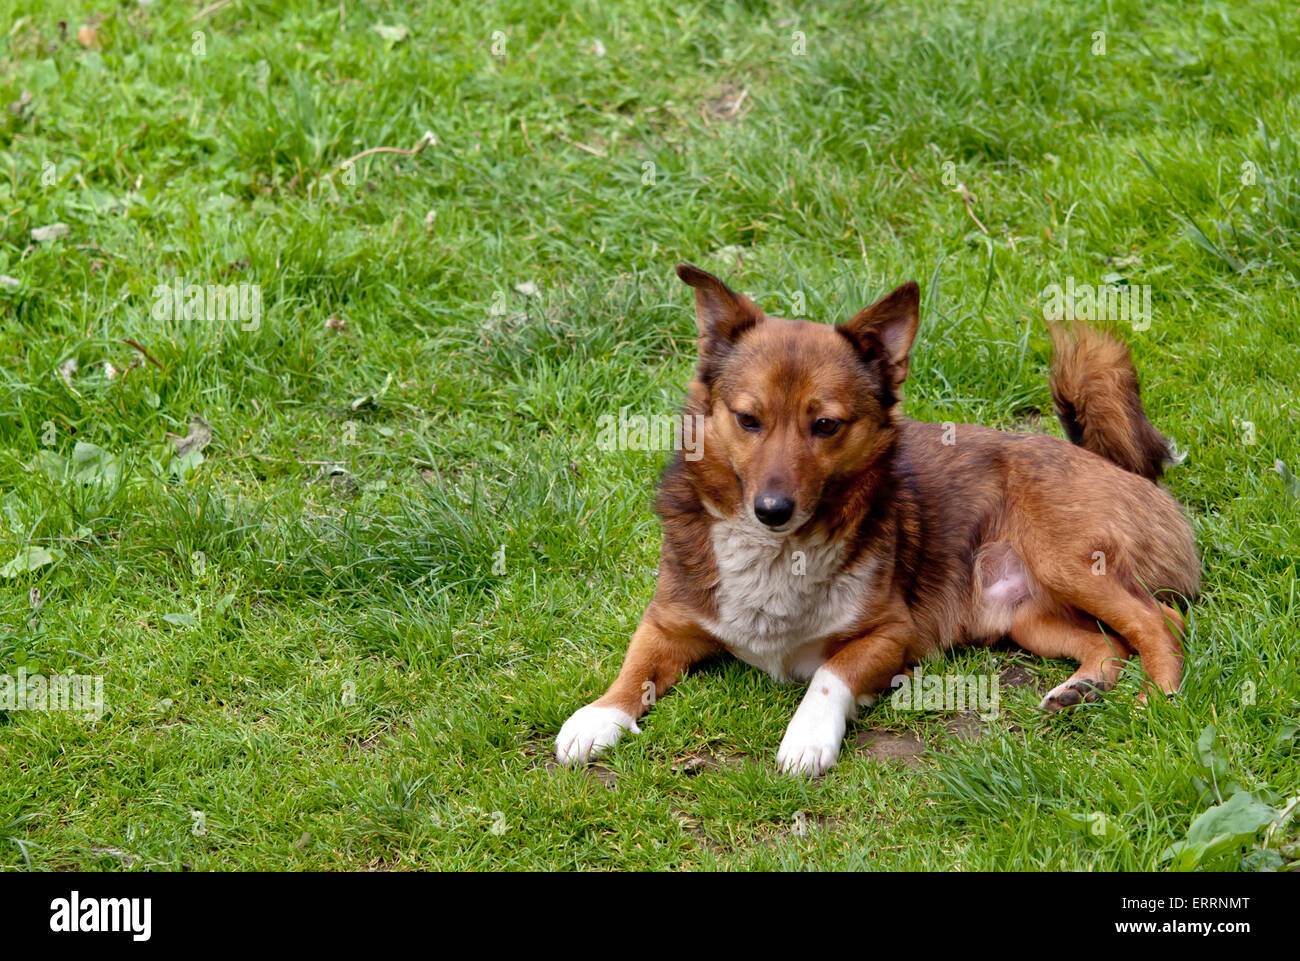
1097,399
972,533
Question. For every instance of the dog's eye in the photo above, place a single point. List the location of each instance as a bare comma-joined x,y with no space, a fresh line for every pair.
825,426
747,421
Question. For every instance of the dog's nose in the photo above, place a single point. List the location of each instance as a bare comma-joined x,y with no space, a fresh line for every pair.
773,509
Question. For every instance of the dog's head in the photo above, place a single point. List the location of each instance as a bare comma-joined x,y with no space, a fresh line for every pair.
793,406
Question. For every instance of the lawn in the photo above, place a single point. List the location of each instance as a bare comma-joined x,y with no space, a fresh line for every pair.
343,632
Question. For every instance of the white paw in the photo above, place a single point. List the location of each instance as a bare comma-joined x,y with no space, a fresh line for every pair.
589,730
810,747
812,741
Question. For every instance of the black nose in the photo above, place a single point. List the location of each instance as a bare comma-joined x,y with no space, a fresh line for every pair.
773,509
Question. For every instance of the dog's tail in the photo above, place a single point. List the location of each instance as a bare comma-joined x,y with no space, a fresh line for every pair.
1095,391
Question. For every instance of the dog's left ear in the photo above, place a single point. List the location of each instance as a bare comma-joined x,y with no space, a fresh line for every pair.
886,329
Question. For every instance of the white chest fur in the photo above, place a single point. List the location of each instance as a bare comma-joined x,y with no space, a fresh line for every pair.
779,599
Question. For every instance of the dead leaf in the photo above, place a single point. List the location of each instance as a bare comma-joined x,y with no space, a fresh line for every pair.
199,437
87,36
392,34
67,369
18,106
372,400
126,859
42,235
341,480
727,104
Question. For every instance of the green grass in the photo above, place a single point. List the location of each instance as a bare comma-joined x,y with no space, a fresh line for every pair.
357,684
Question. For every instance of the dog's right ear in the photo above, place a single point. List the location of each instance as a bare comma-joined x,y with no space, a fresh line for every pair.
886,329
721,314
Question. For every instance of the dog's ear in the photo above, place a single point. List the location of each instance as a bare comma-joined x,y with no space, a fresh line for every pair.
886,329
721,314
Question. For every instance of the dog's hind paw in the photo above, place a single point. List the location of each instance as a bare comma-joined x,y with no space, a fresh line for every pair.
589,730
1067,696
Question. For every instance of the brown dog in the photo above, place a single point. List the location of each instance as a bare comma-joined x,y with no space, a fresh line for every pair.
824,537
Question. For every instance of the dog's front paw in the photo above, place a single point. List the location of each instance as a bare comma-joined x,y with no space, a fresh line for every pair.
808,750
589,730
812,743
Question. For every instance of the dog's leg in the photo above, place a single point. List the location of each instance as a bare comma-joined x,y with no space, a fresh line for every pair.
661,650
1152,629
1053,633
1141,621
1175,631
858,671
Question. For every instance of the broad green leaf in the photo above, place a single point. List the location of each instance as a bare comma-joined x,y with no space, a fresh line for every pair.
93,465
1205,749
186,465
1094,824
1265,860
1184,856
1241,816
1220,830
28,559
53,465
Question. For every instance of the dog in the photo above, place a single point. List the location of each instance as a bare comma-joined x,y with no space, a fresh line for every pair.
824,537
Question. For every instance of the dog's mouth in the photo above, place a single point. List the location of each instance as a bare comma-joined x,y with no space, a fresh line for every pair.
785,528
780,531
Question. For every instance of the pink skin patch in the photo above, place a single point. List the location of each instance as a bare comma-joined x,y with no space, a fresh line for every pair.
1009,590
1003,580
1003,585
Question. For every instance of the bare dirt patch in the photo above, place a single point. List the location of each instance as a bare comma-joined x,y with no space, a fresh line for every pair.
884,745
966,726
727,103
704,761
1016,676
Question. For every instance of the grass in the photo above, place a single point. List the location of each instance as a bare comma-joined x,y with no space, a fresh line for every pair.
315,654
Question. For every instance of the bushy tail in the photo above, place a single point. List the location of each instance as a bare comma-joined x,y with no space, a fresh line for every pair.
1095,390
